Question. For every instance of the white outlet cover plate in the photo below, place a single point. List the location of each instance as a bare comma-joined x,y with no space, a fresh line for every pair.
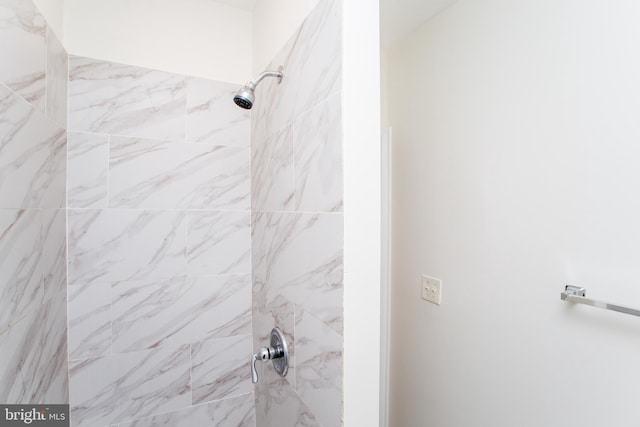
431,289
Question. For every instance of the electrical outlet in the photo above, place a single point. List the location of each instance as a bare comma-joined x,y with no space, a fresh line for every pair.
431,289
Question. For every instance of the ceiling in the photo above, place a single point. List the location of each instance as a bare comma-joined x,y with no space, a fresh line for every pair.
398,18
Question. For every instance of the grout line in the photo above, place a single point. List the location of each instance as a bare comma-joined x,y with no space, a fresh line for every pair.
186,107
187,220
47,113
111,318
108,201
191,374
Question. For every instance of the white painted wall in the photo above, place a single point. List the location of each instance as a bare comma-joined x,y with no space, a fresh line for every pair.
361,149
384,87
194,37
399,18
516,172
274,22
53,12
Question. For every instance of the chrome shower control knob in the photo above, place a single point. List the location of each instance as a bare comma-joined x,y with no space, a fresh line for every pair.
263,354
276,352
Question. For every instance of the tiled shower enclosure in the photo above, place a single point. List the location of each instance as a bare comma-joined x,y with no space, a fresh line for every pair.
190,228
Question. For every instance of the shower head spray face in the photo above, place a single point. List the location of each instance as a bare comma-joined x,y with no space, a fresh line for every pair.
245,96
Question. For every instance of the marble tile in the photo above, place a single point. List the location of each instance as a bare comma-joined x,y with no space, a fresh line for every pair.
273,177
319,351
57,77
312,61
32,156
277,404
54,253
115,245
297,257
316,55
34,368
163,175
213,117
21,289
153,313
232,412
55,194
15,343
48,372
123,387
258,247
318,157
305,262
88,170
219,243
23,50
89,320
106,97
221,368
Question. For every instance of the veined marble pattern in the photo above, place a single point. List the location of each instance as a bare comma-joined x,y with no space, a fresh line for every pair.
48,335
221,368
318,157
15,343
161,174
312,61
277,404
32,156
89,320
115,245
232,412
305,262
273,177
88,170
33,319
159,249
319,351
258,247
316,55
213,117
164,313
34,368
105,97
123,387
297,225
219,243
20,264
57,70
23,50
54,253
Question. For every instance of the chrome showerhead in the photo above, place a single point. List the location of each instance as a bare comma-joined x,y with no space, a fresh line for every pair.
245,96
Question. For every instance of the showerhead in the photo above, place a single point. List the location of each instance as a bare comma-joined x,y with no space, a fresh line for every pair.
245,96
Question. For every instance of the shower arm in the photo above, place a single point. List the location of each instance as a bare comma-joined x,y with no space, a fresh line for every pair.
263,75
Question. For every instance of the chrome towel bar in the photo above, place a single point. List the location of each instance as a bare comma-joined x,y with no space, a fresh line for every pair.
577,295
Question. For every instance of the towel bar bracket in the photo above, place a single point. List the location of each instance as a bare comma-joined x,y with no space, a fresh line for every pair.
573,290
578,295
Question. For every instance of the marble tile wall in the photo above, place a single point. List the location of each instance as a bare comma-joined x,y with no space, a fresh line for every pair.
33,274
297,225
159,231
168,186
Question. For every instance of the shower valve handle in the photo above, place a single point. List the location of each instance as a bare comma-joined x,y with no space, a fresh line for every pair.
276,352
264,354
